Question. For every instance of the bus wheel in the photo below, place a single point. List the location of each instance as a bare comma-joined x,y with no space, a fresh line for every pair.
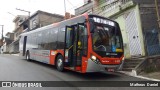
27,56
59,63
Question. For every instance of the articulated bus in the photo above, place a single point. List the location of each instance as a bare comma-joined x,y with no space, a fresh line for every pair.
86,43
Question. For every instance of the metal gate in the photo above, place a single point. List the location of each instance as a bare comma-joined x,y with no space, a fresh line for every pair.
133,35
152,42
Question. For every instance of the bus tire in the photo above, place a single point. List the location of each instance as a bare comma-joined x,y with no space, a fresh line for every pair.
27,56
59,63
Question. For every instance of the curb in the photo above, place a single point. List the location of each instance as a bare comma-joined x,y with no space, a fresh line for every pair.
134,74
151,79
15,54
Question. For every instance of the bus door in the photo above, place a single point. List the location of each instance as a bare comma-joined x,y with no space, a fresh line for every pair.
71,45
81,43
24,45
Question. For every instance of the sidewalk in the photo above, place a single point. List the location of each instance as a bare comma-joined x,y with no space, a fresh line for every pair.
154,75
15,54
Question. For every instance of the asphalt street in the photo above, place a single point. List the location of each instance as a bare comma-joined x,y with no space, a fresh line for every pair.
15,68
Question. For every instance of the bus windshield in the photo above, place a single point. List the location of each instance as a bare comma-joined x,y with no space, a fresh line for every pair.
106,38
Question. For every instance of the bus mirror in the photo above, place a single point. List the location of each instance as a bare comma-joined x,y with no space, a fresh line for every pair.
92,25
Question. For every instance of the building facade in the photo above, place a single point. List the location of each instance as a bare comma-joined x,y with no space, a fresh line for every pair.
19,27
136,18
1,44
41,18
5,46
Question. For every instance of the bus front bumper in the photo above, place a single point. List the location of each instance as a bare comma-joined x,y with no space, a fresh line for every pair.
94,67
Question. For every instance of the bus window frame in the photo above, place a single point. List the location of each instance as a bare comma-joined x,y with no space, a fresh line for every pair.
106,25
85,37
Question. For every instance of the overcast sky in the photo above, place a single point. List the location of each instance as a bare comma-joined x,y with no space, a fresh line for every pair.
52,6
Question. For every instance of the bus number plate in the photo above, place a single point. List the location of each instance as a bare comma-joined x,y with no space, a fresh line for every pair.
110,70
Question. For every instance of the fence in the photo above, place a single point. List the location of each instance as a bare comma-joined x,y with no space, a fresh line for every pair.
152,42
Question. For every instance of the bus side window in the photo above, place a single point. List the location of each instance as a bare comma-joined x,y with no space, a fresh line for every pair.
60,39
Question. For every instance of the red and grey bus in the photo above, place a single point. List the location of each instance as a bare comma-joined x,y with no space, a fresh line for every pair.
86,43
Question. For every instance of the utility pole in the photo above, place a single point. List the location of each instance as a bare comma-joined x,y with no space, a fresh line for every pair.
64,6
157,8
28,17
2,31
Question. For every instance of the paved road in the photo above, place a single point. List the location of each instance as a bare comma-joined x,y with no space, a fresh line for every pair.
15,68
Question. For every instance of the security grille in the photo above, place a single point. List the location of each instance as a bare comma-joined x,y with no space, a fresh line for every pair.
152,42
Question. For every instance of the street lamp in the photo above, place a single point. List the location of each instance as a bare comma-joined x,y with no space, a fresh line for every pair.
28,17
2,31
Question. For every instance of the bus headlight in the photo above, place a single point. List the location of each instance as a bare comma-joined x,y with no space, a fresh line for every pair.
123,58
94,59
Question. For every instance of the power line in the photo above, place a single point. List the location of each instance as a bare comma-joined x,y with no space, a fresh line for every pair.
11,14
71,3
74,7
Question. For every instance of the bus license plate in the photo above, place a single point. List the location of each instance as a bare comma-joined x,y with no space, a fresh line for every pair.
110,70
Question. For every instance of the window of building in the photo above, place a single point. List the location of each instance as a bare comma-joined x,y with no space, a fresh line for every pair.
34,23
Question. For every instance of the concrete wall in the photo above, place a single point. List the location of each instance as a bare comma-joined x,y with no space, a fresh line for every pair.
85,8
1,42
10,35
4,47
42,19
45,19
120,19
18,32
146,1
13,47
148,17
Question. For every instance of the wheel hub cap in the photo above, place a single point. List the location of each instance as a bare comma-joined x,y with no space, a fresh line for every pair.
59,63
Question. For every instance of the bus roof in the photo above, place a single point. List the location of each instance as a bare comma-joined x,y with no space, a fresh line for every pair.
61,23
72,21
